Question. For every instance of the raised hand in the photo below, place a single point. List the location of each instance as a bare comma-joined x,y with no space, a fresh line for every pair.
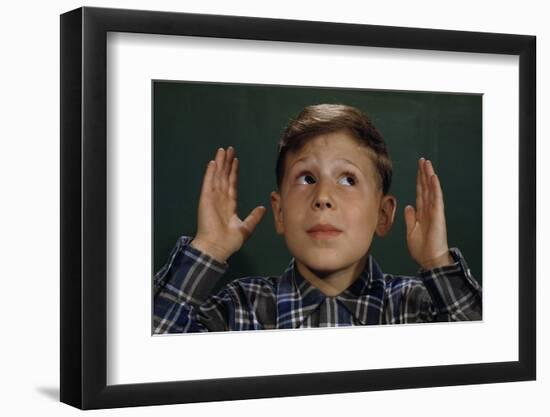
220,231
426,228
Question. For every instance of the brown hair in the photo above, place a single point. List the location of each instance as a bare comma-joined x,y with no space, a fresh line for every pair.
328,118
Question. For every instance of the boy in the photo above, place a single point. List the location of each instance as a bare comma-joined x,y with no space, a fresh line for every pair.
333,177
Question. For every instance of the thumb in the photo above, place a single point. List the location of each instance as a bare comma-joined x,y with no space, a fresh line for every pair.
254,218
410,218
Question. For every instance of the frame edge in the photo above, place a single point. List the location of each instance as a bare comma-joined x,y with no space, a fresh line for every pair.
527,207
70,208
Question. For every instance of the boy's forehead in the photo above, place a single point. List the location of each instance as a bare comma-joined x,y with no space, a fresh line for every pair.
337,147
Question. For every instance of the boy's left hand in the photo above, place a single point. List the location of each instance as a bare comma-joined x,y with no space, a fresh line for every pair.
426,228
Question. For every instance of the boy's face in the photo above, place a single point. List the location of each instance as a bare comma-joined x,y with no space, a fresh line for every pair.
331,181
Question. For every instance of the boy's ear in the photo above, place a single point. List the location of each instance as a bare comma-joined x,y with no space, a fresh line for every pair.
386,215
277,212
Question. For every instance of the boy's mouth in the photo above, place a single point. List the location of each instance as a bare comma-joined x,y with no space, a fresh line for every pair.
324,231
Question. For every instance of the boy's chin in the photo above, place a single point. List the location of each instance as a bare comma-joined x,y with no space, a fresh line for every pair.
326,267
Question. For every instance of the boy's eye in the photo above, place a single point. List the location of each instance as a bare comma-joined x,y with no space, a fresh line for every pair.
306,179
348,178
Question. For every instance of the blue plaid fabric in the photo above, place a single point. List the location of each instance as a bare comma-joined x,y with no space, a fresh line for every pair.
183,303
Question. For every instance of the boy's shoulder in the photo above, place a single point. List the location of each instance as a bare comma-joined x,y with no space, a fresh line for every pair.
258,280
391,281
401,283
255,284
399,280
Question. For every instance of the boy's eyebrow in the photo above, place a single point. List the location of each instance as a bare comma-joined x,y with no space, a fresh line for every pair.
305,158
349,162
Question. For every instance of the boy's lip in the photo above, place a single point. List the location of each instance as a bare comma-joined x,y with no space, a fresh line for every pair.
324,231
326,227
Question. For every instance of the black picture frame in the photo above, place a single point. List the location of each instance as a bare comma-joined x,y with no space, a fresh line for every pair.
84,179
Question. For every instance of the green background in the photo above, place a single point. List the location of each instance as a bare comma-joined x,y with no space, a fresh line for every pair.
191,120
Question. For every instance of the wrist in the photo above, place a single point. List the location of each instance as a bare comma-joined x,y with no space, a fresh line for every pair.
210,249
439,261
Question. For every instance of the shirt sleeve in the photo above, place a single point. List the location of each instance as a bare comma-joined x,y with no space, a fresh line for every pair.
455,294
181,288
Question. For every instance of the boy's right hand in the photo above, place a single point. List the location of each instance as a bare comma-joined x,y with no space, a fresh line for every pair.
220,231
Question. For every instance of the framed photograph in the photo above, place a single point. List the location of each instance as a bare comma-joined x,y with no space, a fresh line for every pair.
147,101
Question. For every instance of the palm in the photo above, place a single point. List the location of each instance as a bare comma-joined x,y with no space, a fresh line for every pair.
219,225
219,215
426,228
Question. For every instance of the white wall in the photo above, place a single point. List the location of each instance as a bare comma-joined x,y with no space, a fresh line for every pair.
29,209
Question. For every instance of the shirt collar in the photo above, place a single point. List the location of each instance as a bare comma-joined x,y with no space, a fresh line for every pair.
297,298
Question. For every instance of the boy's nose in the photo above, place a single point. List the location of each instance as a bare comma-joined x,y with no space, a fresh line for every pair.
323,197
323,203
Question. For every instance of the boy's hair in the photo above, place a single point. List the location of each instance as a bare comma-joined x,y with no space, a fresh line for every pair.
328,118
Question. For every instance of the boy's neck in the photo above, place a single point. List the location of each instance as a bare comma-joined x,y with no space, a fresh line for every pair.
333,283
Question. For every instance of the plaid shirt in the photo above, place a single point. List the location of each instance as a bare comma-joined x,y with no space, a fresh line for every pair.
182,300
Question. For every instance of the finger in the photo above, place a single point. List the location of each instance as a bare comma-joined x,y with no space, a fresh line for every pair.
410,218
425,182
438,192
220,156
208,179
429,168
233,179
419,192
224,174
430,172
253,219
229,154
